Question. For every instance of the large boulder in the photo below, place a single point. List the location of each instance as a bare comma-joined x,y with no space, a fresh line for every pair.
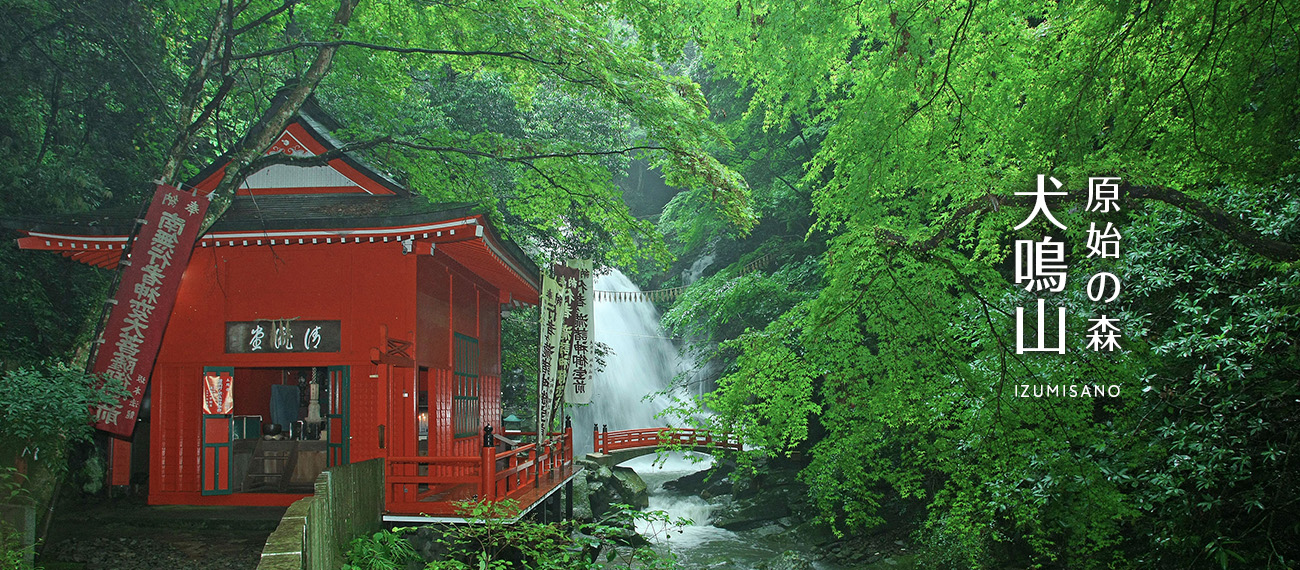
768,499
788,560
705,484
607,487
582,499
812,532
770,474
631,487
751,513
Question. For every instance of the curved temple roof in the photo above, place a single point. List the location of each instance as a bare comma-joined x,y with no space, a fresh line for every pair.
369,207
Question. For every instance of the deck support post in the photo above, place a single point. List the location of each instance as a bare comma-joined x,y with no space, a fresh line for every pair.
566,455
568,500
489,468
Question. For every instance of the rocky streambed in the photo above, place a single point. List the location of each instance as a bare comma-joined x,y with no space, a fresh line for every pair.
761,522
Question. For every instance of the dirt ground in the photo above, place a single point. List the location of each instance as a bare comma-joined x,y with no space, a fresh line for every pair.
126,534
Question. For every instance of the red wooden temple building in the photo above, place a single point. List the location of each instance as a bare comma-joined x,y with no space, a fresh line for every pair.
349,315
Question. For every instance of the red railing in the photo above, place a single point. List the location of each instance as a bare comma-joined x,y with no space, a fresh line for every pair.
412,483
607,441
433,485
514,472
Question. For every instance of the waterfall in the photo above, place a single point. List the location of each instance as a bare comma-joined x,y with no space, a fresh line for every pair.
701,379
643,362
697,269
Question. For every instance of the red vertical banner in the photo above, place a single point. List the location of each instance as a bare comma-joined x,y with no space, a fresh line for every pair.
119,469
144,299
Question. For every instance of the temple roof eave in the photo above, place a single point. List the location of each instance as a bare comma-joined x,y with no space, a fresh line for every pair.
97,238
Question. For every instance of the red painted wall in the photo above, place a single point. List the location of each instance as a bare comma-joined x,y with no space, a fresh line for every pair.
447,288
361,285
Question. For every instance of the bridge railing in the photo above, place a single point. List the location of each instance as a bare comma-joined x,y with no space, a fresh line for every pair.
607,441
433,484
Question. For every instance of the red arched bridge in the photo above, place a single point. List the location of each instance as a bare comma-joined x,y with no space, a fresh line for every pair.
613,447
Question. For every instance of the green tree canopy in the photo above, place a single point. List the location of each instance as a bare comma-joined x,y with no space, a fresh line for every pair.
513,105
528,110
934,116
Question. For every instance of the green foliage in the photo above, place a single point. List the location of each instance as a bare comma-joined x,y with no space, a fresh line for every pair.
525,110
489,541
923,122
624,535
50,406
493,540
1220,393
568,205
691,221
519,348
906,361
723,305
80,78
13,553
383,550
13,489
82,117
49,307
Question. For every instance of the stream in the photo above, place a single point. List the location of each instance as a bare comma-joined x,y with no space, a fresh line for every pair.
701,545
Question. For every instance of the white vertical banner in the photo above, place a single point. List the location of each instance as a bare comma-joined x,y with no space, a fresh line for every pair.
564,371
577,387
549,382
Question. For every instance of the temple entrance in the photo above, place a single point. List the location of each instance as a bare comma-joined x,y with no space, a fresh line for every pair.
280,428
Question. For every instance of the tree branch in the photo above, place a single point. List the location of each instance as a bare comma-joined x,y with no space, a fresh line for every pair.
276,120
521,56
979,205
198,79
1234,228
325,157
264,17
1239,231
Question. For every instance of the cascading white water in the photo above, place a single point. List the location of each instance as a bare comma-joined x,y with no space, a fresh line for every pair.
643,362
657,471
701,380
697,269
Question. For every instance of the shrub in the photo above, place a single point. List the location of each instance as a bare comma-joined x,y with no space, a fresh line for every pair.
491,542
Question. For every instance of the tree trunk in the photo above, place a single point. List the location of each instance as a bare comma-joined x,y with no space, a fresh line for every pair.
276,119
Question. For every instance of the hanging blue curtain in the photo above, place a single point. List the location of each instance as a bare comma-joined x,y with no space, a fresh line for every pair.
284,405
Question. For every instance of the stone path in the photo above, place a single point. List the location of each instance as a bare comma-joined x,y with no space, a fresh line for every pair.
127,535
